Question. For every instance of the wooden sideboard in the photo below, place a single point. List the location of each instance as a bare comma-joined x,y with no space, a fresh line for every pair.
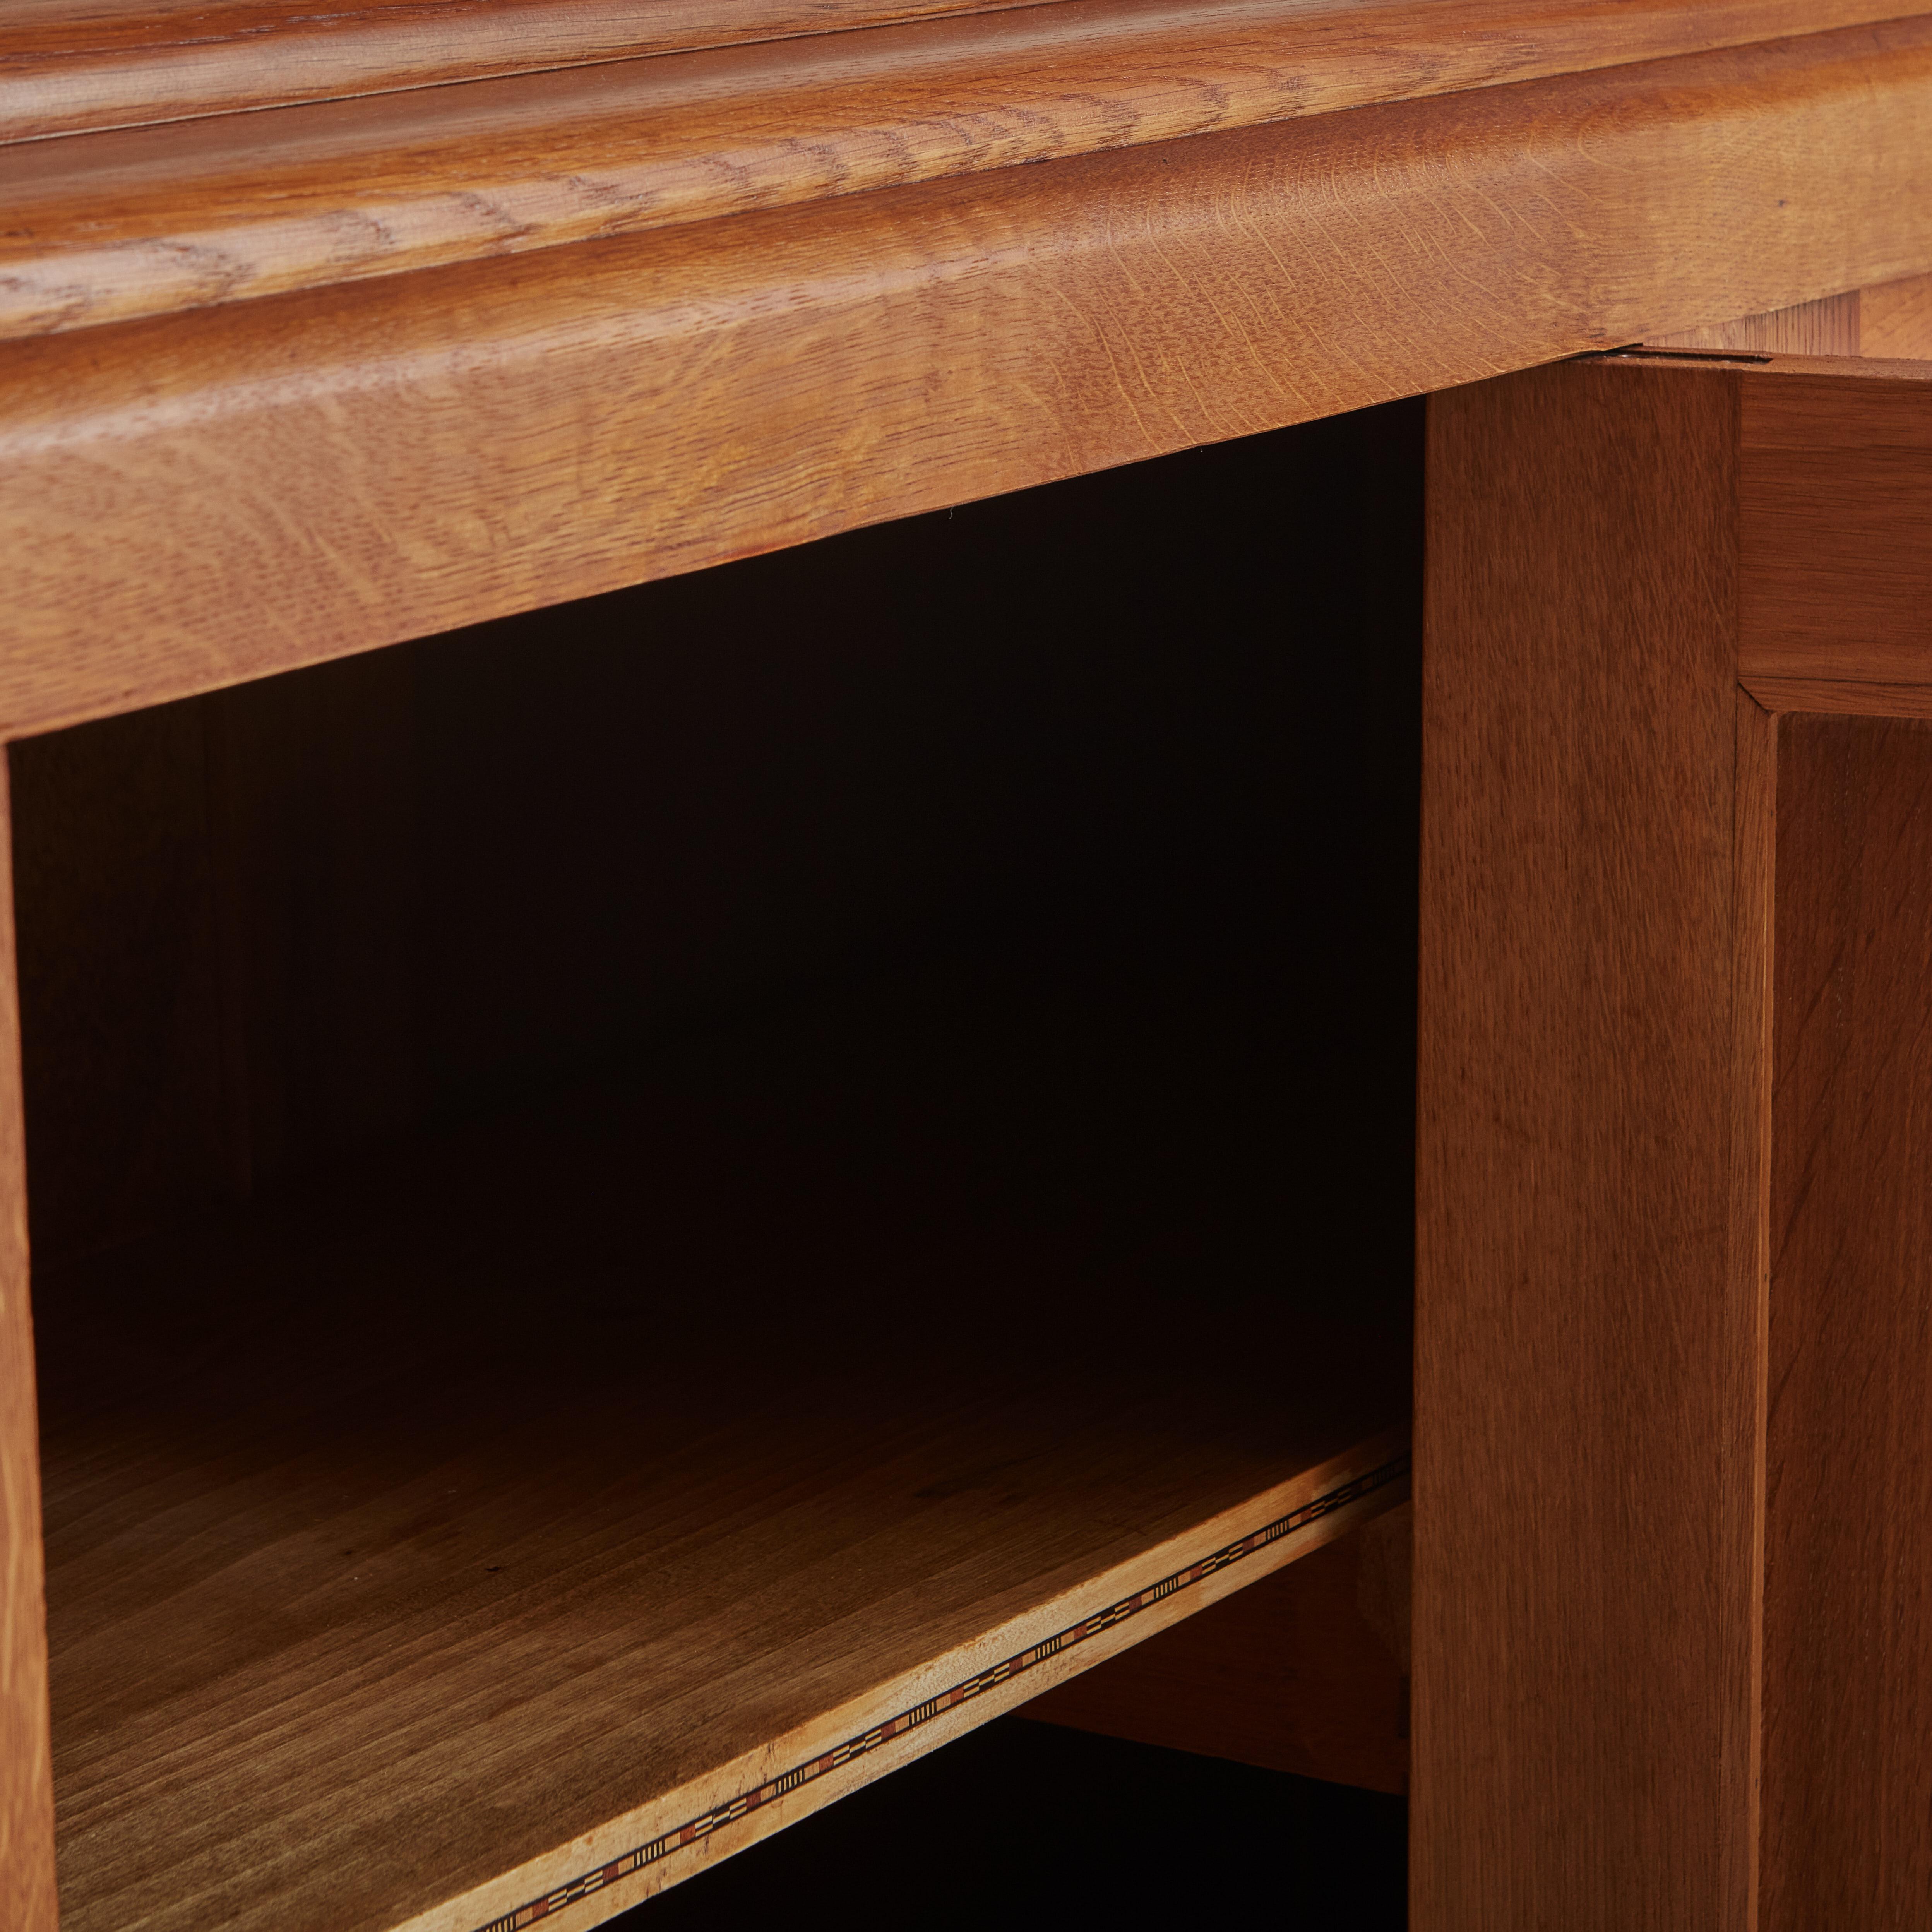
451,1514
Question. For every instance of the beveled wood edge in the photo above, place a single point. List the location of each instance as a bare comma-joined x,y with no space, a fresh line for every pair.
1766,362
1779,693
642,1852
248,55
112,226
209,498
1842,697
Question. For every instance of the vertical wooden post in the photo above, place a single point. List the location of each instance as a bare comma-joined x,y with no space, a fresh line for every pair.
1589,1371
26,1767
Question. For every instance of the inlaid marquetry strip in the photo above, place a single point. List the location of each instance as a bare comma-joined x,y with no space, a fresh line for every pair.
574,1890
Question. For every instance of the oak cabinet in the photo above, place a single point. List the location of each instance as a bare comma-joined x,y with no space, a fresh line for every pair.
709,976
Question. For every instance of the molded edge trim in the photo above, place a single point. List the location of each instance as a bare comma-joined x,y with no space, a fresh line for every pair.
109,227
209,498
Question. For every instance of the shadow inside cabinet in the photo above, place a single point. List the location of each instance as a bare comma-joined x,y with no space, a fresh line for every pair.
1024,1824
641,1211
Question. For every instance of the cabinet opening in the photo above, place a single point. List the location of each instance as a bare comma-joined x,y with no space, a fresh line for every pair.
643,1212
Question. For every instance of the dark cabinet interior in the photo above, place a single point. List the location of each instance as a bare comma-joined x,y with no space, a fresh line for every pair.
976,951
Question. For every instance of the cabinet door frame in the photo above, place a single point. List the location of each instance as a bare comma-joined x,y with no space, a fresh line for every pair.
1663,591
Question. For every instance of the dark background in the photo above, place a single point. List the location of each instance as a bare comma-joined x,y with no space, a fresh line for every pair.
1021,1825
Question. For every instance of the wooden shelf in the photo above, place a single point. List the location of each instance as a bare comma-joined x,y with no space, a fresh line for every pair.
549,1508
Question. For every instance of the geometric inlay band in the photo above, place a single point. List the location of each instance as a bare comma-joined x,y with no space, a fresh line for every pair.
575,1890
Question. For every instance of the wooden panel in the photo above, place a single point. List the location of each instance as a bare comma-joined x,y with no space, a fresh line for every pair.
214,901
345,1635
26,1777
1836,496
112,226
1587,1322
1829,326
121,993
288,480
1306,1671
1848,1609
1895,319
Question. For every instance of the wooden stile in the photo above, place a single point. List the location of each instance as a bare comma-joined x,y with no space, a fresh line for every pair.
1776,1375
1588,1364
26,1770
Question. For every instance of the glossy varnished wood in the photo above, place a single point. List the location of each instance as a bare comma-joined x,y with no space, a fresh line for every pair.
111,226
26,1776
1587,1317
285,480
1848,1778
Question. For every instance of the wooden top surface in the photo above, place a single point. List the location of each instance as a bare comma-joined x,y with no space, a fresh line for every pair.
67,65
420,1547
108,227
197,499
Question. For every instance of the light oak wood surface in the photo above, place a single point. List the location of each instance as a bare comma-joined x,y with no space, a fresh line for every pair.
1829,326
282,481
1895,319
425,1545
115,225
27,1903
1587,1316
67,65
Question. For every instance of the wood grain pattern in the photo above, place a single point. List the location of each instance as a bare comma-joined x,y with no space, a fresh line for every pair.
112,226
345,1637
1890,322
1829,326
1846,699
1746,1394
1306,1671
279,481
1836,510
1848,1778
26,1777
67,65
1895,319
1586,1331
